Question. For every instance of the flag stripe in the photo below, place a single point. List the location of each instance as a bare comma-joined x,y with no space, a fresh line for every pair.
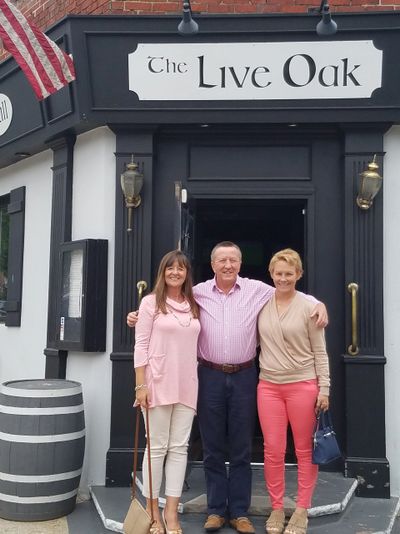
48,53
33,43
13,44
47,67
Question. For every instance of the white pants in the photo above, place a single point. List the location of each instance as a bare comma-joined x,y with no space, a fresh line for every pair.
170,428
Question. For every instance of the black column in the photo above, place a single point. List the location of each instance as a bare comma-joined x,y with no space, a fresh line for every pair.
132,263
16,212
61,219
364,372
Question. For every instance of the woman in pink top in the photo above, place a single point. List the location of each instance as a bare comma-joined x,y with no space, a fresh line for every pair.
293,386
165,359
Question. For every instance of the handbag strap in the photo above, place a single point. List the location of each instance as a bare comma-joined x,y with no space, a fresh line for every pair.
323,420
135,458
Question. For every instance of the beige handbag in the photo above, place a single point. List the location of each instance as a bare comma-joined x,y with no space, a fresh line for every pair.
137,520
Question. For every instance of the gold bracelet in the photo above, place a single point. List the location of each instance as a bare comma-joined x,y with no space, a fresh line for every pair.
140,386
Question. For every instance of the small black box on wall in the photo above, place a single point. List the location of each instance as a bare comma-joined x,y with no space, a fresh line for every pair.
82,302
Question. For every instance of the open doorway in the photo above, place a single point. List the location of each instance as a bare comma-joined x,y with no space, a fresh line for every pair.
260,227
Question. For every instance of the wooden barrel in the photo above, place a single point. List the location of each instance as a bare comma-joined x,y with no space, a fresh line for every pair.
42,442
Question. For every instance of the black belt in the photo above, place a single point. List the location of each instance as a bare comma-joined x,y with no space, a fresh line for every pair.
226,367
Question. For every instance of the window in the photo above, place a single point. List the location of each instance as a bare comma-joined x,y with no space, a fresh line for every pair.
4,239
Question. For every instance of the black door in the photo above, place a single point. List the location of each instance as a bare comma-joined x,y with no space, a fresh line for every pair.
283,191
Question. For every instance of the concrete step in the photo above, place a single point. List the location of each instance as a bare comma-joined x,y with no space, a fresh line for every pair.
332,496
361,516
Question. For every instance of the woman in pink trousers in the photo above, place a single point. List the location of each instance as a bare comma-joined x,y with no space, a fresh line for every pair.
293,386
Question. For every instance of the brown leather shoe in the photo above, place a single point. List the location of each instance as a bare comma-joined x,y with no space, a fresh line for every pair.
242,525
214,522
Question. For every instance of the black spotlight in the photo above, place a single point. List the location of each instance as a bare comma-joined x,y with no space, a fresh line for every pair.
187,25
326,26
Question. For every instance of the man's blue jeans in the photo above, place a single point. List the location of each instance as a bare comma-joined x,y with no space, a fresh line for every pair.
226,415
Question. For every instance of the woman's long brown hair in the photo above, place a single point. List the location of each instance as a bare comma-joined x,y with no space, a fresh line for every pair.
160,287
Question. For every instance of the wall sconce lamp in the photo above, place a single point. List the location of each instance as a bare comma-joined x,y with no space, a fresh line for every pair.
187,25
326,26
370,184
131,184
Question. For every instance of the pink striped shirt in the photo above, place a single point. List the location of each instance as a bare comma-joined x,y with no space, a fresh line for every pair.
229,321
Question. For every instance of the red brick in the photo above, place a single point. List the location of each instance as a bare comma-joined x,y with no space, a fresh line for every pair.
117,5
367,2
268,8
165,7
295,9
140,5
244,8
221,8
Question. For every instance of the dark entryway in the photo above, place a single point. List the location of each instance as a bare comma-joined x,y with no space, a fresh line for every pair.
264,190
260,228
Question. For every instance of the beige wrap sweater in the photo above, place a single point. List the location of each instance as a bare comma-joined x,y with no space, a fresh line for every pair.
292,346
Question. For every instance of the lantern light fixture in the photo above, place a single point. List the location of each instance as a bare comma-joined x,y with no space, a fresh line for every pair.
131,184
369,185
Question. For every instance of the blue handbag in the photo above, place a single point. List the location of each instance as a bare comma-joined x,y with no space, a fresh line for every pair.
325,447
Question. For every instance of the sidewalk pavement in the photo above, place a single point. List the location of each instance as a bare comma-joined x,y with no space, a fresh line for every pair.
85,520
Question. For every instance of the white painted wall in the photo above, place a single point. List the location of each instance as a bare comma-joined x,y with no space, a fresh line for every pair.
391,181
21,348
93,217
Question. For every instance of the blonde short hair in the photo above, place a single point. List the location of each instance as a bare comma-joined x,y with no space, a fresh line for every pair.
288,255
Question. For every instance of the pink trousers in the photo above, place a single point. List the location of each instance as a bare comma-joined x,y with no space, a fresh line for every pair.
278,405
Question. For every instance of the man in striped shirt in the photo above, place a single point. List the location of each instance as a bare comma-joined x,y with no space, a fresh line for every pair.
229,307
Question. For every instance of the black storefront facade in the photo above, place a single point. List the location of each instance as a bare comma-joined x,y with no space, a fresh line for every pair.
254,130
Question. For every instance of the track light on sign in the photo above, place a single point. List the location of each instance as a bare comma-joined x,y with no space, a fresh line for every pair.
326,26
187,25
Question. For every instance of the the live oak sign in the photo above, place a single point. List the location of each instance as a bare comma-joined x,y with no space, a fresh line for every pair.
255,71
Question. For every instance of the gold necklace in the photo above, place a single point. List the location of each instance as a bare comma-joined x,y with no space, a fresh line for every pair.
184,325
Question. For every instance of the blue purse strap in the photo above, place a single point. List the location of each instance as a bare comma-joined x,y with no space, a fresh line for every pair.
324,420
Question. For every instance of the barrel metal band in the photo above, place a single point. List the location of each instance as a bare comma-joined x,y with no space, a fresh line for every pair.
38,500
22,410
15,392
34,479
20,438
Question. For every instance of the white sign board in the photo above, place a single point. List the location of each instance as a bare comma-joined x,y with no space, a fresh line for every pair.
255,71
6,113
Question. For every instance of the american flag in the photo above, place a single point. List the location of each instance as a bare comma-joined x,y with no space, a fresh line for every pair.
46,66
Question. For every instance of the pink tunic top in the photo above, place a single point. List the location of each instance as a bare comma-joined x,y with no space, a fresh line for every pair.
167,345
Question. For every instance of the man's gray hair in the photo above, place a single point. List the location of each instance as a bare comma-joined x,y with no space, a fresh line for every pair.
224,244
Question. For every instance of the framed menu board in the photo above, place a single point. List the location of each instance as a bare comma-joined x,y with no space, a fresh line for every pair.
82,311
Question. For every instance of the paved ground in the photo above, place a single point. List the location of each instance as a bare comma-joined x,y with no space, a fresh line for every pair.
57,526
85,520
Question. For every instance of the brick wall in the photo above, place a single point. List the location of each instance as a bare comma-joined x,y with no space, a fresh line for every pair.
46,12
